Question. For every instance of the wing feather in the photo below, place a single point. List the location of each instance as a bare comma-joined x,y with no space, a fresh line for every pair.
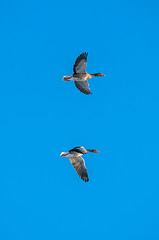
79,165
80,64
83,87
78,150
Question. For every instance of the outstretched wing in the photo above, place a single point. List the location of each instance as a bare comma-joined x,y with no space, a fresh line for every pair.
80,64
79,165
83,87
81,150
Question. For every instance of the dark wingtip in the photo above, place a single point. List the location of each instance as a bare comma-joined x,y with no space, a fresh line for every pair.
86,53
86,93
85,179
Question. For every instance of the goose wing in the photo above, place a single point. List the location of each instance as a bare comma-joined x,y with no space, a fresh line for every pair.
83,87
75,150
80,64
79,165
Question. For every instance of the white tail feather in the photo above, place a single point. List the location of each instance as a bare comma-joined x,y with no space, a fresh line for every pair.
67,78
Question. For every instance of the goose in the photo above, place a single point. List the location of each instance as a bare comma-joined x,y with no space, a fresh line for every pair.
80,75
77,161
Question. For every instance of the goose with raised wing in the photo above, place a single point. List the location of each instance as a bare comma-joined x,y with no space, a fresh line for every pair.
77,161
80,76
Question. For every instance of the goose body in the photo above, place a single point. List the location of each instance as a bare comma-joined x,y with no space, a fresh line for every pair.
80,75
77,161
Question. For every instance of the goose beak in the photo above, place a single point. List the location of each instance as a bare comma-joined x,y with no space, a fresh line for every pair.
93,150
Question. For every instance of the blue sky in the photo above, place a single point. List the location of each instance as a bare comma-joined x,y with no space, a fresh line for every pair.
40,116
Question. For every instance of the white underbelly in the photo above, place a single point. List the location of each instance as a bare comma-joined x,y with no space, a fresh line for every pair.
79,79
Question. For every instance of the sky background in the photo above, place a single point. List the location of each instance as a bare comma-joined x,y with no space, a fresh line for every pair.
41,196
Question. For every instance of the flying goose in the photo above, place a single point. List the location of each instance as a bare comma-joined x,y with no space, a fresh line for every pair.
80,75
77,161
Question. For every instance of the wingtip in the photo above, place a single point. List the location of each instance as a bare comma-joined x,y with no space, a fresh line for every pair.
88,93
86,180
86,53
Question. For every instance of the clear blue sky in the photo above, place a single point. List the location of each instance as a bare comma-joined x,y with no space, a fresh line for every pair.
41,196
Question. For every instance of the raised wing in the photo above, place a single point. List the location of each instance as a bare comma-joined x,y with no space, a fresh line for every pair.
83,87
78,150
80,64
79,165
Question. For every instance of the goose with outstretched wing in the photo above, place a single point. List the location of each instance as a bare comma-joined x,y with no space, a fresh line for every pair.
77,161
80,75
